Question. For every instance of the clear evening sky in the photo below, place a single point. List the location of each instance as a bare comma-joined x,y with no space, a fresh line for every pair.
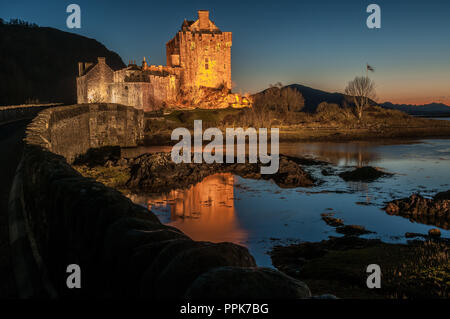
321,44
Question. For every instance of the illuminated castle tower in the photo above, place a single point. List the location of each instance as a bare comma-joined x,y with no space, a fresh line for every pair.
198,56
203,52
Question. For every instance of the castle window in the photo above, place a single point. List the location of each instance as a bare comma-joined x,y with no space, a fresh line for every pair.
206,64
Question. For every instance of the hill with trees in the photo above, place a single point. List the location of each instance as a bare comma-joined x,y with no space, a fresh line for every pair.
40,64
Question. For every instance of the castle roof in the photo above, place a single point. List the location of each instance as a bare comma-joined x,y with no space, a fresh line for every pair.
186,24
202,25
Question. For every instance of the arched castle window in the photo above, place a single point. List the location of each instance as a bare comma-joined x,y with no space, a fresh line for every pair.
206,64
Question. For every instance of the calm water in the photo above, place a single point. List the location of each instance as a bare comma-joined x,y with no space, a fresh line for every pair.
259,214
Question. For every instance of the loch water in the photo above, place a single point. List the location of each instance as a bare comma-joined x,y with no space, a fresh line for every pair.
258,214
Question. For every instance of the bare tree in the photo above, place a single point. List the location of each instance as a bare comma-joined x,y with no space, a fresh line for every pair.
361,89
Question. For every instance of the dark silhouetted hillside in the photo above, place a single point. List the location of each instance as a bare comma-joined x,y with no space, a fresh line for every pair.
432,109
314,97
40,64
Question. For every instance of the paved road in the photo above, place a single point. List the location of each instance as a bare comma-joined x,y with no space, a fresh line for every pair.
10,153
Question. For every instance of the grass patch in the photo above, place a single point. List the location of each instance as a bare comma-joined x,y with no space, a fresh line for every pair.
115,177
416,270
210,117
330,122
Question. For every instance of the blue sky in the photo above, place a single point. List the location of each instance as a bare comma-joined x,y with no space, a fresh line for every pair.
322,44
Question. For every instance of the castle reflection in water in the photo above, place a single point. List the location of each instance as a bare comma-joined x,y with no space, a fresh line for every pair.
204,211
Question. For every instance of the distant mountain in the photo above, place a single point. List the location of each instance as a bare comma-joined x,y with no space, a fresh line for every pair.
40,63
314,97
432,109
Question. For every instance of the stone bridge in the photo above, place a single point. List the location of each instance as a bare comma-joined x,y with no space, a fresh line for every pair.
57,217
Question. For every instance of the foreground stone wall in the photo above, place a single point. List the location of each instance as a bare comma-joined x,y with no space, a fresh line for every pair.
58,218
21,112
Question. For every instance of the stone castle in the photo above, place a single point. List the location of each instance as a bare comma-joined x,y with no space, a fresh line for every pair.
198,59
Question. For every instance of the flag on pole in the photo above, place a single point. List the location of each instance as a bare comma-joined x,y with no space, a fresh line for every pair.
369,68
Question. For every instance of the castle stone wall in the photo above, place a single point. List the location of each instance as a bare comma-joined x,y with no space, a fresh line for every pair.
92,87
206,59
149,96
203,52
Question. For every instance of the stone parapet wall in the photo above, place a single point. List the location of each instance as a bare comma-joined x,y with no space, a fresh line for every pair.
71,130
21,112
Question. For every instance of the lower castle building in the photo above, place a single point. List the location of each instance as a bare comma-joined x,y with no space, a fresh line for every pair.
198,56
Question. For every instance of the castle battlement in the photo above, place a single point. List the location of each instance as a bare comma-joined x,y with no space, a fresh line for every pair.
199,55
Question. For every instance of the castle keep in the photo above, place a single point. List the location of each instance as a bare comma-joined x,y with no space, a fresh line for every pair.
198,57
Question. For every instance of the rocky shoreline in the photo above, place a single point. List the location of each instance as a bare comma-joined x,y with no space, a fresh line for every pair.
158,173
418,269
338,266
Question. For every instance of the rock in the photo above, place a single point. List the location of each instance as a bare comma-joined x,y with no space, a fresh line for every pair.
182,269
143,258
158,173
212,98
324,296
164,258
442,196
290,259
431,211
352,230
434,232
291,174
413,235
333,221
244,283
327,172
365,174
122,162
99,156
109,164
